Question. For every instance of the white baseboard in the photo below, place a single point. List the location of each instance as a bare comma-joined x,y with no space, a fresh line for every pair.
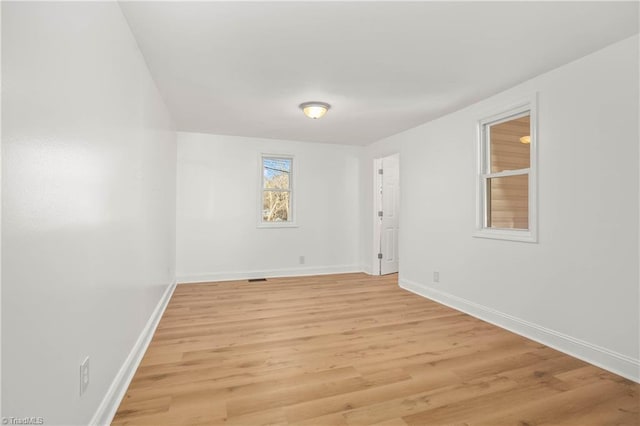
271,273
107,409
367,269
617,363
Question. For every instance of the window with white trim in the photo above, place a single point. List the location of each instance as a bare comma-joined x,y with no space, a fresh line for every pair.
506,202
276,195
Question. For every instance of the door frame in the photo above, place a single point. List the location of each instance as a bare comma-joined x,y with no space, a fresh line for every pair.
377,206
377,234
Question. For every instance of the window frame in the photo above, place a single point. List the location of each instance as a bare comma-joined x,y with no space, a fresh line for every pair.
292,188
483,172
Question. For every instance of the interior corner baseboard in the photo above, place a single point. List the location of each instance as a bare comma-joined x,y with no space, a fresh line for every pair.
617,363
366,269
107,409
270,273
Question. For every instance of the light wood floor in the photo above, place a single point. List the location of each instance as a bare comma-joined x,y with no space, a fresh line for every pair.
353,350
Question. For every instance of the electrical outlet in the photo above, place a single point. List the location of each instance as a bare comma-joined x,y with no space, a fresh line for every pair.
436,276
302,260
84,376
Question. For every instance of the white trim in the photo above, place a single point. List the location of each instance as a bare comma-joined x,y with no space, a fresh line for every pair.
111,401
292,195
615,362
0,225
377,206
268,225
521,235
507,173
528,105
268,273
378,180
366,269
509,111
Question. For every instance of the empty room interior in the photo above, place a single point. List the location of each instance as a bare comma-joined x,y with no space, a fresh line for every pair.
320,213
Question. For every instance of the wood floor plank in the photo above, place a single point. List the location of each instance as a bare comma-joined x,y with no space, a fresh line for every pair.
559,407
351,349
355,400
404,404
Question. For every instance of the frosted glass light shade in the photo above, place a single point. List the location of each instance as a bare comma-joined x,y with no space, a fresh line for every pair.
315,109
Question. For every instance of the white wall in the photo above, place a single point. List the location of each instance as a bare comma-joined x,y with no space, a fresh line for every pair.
576,289
218,184
88,200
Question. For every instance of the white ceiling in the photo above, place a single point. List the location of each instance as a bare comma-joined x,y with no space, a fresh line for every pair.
242,68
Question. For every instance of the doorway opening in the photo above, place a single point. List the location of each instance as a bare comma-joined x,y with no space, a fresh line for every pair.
386,220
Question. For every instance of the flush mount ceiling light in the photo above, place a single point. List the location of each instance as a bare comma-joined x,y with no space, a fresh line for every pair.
314,109
525,139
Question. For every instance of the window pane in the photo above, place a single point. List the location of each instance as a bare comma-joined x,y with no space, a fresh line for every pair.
276,206
508,202
276,172
510,149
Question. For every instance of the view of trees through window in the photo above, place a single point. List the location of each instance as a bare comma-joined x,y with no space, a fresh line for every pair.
276,189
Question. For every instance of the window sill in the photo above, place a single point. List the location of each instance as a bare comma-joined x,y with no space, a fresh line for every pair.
263,225
507,235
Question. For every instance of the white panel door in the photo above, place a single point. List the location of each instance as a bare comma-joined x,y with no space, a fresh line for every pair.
389,221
